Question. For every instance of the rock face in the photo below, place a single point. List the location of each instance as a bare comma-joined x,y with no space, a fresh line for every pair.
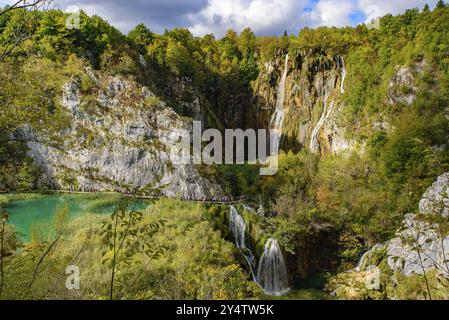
428,251
419,246
436,198
312,101
402,88
120,138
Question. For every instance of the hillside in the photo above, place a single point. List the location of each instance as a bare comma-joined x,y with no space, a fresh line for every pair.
364,116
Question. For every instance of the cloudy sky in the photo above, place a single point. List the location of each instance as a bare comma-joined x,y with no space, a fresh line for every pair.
265,17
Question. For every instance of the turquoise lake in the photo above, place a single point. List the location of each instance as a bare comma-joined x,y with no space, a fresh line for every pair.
39,213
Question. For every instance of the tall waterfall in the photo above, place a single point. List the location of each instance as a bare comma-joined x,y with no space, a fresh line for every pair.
277,120
314,145
343,75
327,110
238,228
272,271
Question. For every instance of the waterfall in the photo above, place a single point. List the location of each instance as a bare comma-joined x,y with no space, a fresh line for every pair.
314,145
272,271
238,228
277,120
362,260
343,75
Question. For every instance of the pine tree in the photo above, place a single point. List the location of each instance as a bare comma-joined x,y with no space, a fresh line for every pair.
285,41
441,5
426,8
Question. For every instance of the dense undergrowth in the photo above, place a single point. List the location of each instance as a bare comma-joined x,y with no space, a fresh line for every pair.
171,250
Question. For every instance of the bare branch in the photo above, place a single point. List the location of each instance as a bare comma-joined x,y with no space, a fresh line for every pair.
23,4
44,255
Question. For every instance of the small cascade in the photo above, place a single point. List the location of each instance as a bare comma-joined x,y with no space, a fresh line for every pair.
248,208
238,228
277,120
362,261
272,271
343,75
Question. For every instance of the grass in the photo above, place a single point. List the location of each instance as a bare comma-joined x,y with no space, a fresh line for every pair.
6,199
104,201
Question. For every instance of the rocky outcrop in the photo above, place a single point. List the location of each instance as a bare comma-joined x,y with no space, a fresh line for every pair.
402,88
120,138
421,246
312,101
418,248
436,198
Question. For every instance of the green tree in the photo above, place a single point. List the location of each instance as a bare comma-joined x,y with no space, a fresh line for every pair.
178,58
440,4
247,43
141,36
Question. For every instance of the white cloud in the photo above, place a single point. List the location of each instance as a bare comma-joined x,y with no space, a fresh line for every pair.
377,8
333,13
263,16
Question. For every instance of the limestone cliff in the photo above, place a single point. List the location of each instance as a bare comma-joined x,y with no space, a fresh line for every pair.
120,137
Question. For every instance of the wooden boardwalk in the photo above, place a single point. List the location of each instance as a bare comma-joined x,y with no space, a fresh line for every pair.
204,201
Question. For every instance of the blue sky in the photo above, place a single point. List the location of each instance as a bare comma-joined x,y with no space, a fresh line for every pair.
265,17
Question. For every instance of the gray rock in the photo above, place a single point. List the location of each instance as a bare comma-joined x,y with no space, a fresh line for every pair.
127,146
436,198
418,248
402,78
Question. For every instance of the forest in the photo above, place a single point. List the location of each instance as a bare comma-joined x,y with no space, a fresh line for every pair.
325,210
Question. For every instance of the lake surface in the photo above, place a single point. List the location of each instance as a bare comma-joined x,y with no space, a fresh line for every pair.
39,213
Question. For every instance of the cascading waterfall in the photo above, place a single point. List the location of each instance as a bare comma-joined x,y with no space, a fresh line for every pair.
238,228
327,110
272,271
343,75
277,120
